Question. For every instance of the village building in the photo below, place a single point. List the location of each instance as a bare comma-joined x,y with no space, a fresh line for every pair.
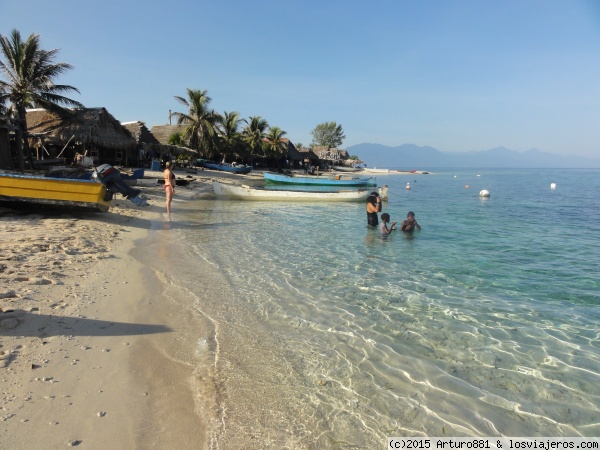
93,132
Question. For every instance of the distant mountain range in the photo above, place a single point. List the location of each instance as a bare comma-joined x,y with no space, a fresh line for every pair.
410,156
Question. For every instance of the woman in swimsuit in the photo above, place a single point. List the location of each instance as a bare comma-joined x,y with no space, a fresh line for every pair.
373,207
169,186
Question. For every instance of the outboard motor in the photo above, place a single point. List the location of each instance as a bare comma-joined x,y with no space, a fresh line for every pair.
111,178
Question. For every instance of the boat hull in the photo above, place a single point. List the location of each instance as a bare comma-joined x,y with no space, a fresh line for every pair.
347,169
323,180
25,189
244,192
226,167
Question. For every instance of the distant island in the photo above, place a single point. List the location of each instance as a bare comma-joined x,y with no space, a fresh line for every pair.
414,157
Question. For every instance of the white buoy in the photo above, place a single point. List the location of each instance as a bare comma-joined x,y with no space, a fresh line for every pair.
484,193
408,186
553,186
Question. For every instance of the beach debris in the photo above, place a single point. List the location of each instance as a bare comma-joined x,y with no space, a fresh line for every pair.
101,413
484,193
74,443
322,382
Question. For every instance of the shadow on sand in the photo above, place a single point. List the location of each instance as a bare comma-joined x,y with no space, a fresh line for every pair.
23,323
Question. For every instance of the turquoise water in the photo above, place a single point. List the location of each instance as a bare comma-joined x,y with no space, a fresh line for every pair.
486,322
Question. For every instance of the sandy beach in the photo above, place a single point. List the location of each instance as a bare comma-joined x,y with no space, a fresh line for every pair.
81,328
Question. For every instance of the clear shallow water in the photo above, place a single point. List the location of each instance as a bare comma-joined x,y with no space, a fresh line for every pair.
486,322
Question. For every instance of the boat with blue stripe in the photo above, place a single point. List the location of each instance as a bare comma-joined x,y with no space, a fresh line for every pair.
327,179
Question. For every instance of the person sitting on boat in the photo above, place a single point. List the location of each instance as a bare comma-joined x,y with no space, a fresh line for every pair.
383,228
410,223
78,160
373,207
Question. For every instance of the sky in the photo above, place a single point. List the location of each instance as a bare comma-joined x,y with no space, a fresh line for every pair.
457,75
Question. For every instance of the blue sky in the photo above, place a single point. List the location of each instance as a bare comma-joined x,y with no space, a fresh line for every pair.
456,75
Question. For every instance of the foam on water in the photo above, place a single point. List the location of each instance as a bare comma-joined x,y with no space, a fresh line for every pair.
484,323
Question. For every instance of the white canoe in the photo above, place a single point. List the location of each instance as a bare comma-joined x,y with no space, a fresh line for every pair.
375,170
380,171
245,192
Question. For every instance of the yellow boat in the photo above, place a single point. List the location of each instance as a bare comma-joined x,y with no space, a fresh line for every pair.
65,192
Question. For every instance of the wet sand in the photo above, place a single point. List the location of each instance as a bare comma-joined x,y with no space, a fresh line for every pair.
91,352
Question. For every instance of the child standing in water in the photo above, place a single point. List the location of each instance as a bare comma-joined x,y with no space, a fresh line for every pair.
410,223
383,228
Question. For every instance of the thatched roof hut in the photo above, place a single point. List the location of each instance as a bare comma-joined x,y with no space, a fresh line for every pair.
292,153
88,130
91,127
308,155
140,133
163,132
335,156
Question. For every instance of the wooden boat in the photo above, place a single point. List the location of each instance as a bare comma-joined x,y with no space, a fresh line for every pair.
65,192
379,171
245,192
347,169
232,168
322,180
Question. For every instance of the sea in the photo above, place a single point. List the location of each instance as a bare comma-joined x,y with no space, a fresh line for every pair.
316,332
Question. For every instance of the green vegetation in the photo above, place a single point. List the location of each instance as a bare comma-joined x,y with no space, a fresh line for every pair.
276,146
27,79
201,122
230,139
328,134
217,136
177,139
29,73
254,135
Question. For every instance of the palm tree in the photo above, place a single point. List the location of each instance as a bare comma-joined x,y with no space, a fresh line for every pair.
230,138
3,99
177,139
29,72
276,145
202,122
254,135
